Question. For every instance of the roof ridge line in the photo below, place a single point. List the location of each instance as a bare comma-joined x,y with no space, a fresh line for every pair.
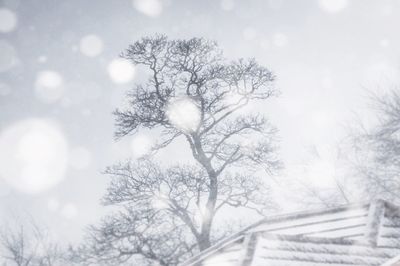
304,213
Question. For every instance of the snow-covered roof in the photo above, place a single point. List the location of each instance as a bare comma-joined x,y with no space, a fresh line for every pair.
362,234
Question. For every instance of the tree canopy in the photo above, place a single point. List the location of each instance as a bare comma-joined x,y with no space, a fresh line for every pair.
165,214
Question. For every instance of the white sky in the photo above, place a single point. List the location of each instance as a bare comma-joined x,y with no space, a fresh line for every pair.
58,64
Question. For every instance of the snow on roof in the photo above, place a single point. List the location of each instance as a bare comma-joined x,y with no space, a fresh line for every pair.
393,262
361,234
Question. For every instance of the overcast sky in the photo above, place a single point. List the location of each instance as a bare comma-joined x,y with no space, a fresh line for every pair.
60,79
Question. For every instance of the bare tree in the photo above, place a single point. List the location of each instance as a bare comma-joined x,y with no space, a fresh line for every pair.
26,245
370,155
377,149
339,188
167,214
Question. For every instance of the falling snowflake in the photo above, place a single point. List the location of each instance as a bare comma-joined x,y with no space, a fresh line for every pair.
91,45
141,145
184,114
121,71
8,20
34,155
151,8
49,86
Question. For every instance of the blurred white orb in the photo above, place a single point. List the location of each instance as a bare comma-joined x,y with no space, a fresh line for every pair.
33,155
91,45
80,158
227,5
280,39
8,56
141,146
333,6
8,20
151,8
69,211
121,71
184,114
49,86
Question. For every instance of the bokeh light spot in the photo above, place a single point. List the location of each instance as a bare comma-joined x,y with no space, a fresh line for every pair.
184,114
151,8
91,45
33,155
121,71
49,86
141,146
8,20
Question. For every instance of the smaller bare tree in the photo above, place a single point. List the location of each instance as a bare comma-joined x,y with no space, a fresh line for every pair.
28,244
376,149
318,180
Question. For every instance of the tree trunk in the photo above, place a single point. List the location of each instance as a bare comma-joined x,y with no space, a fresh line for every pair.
208,216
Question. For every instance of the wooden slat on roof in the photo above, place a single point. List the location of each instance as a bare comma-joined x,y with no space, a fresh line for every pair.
366,234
